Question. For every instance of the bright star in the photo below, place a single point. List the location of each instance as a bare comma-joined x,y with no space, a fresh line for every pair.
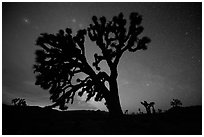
186,33
74,20
147,84
26,20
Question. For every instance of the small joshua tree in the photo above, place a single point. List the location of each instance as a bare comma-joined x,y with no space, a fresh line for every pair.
147,107
14,101
151,104
139,111
18,102
126,112
159,111
175,103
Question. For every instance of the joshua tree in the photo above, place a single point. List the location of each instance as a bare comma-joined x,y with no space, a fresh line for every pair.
175,103
139,110
14,101
147,107
126,111
18,102
159,111
151,104
61,61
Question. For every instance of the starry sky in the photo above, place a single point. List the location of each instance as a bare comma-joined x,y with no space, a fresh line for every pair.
170,68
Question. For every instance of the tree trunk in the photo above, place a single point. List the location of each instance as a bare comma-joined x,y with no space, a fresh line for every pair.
112,100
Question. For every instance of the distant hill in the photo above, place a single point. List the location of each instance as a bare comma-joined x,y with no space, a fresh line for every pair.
34,120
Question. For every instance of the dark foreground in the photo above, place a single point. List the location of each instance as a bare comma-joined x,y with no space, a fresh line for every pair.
41,121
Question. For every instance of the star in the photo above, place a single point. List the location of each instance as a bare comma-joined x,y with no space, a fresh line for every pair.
74,20
26,20
186,33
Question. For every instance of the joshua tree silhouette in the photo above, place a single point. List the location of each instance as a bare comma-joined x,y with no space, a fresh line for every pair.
126,111
62,59
148,107
151,104
175,103
159,111
18,102
139,111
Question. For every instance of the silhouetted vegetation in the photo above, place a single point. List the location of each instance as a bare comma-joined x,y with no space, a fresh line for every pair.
151,104
61,61
18,102
126,111
139,111
159,111
148,106
175,103
33,120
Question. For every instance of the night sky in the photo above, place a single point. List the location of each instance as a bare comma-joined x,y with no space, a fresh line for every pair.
170,68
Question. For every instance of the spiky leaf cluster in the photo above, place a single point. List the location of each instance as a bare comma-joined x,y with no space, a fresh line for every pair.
19,102
59,60
113,38
176,103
